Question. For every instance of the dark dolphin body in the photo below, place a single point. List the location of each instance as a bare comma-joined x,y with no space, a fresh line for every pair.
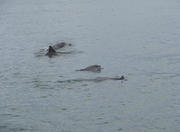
61,45
92,68
110,78
97,79
52,49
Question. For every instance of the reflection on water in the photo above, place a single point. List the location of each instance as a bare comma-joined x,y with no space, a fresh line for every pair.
138,39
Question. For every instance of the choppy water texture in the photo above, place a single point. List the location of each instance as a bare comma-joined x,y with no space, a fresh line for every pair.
135,38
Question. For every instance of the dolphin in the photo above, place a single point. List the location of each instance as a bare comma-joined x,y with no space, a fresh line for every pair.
97,79
61,45
92,68
108,78
52,49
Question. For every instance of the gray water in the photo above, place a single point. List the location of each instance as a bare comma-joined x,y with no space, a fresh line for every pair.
135,38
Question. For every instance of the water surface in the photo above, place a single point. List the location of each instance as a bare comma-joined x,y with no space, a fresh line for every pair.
138,39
